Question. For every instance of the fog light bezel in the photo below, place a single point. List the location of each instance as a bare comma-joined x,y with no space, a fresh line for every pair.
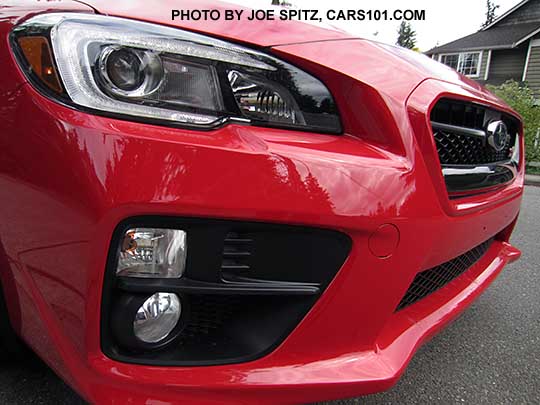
258,300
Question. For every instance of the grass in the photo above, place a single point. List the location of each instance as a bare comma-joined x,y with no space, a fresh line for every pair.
533,170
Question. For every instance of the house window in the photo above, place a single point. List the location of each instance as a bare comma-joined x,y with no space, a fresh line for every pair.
467,63
451,60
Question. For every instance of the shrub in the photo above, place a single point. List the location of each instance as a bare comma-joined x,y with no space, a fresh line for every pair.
520,98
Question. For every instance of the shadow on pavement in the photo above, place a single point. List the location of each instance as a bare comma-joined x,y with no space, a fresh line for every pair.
31,381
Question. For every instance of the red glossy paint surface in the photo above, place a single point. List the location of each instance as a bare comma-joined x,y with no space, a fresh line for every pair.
67,178
261,33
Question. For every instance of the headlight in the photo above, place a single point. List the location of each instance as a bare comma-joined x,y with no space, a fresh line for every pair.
134,69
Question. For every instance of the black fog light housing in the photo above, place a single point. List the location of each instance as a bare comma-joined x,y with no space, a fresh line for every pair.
242,287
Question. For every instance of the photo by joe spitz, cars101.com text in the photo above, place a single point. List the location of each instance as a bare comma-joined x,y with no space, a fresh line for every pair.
204,203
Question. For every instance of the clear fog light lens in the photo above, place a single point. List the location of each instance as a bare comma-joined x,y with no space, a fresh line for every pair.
152,253
157,317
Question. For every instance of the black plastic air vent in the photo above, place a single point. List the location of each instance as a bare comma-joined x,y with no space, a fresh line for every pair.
237,253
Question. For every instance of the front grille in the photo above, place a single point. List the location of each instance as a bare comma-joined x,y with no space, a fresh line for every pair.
457,149
433,279
455,144
475,145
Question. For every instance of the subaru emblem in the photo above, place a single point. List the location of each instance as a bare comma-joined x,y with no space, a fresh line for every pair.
497,135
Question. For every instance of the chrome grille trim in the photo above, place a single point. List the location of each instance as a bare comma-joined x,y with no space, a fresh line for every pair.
478,133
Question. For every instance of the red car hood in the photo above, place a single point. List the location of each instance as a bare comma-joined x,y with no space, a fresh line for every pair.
261,33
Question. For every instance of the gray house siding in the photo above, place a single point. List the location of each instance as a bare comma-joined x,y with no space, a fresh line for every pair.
507,64
533,69
483,65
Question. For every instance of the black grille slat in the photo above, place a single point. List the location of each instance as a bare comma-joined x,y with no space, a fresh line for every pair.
431,280
236,254
234,241
234,266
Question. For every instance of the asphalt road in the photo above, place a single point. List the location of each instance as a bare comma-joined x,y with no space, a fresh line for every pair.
490,355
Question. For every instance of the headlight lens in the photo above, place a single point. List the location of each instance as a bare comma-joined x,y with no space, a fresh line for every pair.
129,72
138,69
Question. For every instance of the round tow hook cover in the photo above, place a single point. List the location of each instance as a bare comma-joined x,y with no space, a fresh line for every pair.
384,241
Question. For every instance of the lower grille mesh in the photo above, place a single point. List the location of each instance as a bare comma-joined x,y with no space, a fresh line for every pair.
433,279
207,316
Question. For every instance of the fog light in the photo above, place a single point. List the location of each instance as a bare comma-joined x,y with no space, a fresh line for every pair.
152,253
157,317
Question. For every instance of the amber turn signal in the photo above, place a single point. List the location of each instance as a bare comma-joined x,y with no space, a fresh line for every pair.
37,52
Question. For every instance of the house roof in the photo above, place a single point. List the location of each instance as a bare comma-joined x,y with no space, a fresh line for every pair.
497,37
502,17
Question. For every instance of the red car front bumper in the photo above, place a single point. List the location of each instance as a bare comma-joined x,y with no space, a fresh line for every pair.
292,375
68,178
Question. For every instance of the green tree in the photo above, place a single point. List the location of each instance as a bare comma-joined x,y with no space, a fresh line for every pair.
406,36
521,98
491,9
